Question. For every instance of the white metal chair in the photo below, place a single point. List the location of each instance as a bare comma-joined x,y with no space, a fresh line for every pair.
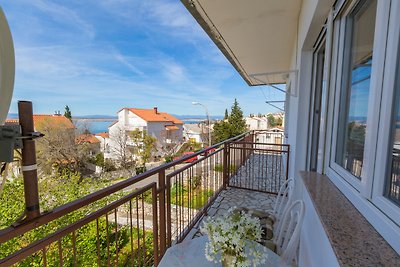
280,204
271,220
288,237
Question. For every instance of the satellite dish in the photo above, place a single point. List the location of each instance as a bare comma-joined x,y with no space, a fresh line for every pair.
7,67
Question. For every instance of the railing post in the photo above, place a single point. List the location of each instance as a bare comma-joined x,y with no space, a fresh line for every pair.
155,225
225,164
162,225
29,167
287,161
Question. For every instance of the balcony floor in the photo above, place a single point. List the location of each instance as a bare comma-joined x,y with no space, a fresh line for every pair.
234,197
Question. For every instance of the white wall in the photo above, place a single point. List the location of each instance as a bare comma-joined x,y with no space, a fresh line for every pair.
157,129
134,121
315,248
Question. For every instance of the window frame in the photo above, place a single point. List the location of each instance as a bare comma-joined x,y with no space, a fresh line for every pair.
363,183
391,79
368,199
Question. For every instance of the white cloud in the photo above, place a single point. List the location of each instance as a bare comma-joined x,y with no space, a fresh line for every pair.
64,15
173,71
124,60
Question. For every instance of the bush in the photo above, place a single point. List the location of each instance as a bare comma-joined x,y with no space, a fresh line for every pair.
140,169
220,168
108,165
169,158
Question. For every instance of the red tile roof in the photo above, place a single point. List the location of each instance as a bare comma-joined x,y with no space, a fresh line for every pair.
150,115
171,127
57,121
86,138
51,121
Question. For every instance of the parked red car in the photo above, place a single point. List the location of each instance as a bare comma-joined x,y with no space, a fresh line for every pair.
189,160
205,153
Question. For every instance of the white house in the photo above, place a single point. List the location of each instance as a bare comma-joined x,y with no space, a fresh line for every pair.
256,123
195,132
340,61
104,139
167,129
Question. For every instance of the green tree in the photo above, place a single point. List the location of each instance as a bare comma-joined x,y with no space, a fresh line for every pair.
233,126
226,114
271,120
144,145
67,113
236,120
274,120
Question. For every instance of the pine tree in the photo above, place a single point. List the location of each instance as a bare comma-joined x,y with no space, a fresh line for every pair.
236,120
233,126
226,114
67,113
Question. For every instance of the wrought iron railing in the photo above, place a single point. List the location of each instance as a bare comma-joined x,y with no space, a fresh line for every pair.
134,227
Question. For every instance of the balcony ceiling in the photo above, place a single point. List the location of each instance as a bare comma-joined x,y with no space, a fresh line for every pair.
256,36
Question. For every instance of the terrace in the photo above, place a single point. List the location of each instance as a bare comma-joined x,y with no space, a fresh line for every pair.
351,195
135,225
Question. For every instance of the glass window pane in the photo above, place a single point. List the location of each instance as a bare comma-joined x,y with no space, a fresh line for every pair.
393,177
352,124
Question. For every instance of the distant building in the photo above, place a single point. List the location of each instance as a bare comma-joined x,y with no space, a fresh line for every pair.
91,143
104,139
256,123
54,127
195,133
167,129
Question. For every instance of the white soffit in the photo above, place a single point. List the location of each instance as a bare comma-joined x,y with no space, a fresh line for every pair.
257,36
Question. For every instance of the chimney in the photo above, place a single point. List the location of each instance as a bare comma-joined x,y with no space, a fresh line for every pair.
156,110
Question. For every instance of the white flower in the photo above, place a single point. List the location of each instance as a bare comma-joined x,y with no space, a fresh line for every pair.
231,234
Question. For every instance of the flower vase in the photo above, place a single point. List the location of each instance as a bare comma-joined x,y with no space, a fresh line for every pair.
228,260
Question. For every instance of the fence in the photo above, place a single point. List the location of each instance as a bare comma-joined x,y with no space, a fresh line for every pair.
121,226
257,166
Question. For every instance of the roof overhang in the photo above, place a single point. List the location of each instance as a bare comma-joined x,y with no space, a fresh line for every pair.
256,36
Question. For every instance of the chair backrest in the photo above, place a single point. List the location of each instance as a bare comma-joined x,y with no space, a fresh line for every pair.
282,202
289,236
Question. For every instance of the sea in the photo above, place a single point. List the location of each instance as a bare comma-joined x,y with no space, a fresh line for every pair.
94,126
99,126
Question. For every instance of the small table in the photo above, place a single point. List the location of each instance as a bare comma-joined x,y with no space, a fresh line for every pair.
192,254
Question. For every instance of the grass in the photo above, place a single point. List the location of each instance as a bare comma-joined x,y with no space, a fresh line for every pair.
220,168
190,197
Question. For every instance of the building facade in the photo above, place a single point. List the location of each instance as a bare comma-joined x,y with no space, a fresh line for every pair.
165,128
340,61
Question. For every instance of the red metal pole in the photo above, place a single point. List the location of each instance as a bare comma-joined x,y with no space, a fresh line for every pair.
161,195
29,167
225,164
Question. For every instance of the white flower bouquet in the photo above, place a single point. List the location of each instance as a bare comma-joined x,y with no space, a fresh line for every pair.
232,239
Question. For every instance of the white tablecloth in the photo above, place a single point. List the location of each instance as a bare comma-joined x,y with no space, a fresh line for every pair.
192,254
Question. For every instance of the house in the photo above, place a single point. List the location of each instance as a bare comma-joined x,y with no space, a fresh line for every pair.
167,129
340,62
195,133
59,132
43,122
104,139
91,143
256,123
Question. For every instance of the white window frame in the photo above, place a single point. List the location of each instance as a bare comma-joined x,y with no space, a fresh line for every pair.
367,195
392,70
361,184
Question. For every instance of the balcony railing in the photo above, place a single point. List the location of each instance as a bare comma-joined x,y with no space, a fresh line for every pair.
124,226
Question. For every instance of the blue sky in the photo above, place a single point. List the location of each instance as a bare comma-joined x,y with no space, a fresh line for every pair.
100,55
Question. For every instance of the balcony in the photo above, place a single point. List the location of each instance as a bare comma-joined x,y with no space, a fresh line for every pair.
127,224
